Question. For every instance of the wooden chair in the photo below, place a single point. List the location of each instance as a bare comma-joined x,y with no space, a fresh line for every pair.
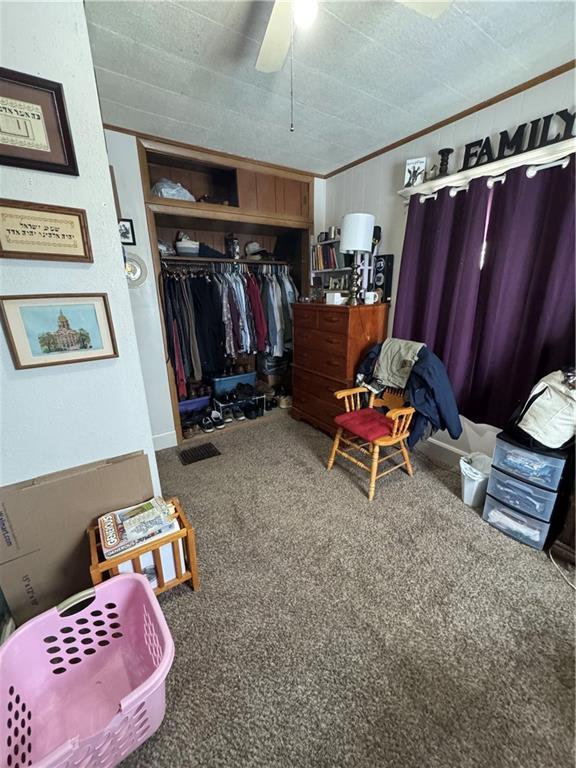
366,430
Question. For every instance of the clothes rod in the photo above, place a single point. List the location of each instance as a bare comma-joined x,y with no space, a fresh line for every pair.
208,260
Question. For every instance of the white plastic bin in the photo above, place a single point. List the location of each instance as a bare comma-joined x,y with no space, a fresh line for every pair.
475,471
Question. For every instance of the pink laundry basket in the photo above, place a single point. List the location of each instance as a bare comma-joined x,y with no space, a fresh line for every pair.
82,685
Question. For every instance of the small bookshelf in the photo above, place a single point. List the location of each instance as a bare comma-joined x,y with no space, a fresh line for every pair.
326,256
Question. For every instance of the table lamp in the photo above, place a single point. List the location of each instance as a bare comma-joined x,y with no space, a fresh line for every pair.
356,237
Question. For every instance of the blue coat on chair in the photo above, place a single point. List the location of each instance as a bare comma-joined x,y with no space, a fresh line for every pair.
429,391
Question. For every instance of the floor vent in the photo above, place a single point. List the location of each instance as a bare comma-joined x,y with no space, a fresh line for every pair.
199,453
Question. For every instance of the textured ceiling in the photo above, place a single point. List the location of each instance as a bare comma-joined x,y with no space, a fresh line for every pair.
365,75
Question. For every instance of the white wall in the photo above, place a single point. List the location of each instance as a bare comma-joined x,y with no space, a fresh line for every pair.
123,156
319,206
372,188
62,416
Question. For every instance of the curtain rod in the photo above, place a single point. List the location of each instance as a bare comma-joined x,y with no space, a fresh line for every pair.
536,157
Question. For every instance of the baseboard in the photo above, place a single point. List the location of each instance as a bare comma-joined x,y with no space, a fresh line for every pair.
164,440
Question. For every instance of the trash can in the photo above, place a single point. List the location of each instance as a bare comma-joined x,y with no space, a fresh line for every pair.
475,470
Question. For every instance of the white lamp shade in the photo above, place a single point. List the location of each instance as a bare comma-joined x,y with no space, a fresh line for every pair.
356,233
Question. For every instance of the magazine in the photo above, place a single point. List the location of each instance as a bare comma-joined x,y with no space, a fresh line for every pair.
128,528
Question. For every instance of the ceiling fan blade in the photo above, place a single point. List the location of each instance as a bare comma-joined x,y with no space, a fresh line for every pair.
276,41
430,9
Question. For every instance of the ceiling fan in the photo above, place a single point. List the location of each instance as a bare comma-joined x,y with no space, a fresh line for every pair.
276,42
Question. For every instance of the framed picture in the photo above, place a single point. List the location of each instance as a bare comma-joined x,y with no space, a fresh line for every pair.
126,228
48,232
414,173
34,129
55,329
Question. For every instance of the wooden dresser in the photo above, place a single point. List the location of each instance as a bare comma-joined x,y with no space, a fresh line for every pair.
329,343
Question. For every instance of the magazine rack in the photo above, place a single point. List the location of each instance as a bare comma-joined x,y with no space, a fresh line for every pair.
182,542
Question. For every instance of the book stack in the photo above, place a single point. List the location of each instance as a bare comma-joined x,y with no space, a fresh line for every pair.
128,528
325,256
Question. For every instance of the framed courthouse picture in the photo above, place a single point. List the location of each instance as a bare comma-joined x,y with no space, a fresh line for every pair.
55,329
48,232
34,129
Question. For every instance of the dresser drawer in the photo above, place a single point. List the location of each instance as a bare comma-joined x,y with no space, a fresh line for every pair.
327,363
323,410
315,385
323,341
332,321
305,317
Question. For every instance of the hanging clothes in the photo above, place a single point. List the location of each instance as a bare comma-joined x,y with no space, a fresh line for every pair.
210,332
260,324
212,318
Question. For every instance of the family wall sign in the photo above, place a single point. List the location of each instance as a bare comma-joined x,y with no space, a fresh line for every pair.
541,132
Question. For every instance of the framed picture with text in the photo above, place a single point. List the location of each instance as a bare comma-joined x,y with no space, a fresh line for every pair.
34,129
55,329
47,232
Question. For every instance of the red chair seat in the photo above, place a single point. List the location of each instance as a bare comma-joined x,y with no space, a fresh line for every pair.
367,423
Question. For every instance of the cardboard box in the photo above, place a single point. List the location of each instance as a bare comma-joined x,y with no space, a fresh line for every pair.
44,554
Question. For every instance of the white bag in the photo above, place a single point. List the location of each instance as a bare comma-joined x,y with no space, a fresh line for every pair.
551,417
171,189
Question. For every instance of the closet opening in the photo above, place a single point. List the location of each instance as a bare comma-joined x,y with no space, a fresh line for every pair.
227,322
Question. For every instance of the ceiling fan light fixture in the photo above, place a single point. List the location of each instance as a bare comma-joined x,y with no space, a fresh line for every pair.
305,12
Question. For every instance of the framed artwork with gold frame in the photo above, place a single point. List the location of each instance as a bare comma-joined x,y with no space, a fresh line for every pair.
34,128
47,232
56,329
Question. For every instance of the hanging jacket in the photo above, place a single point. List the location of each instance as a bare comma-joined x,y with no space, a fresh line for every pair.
260,325
429,391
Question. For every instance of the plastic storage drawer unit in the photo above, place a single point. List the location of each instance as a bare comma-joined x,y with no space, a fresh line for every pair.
537,468
521,527
522,496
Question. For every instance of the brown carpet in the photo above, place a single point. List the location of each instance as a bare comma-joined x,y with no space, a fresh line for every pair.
405,633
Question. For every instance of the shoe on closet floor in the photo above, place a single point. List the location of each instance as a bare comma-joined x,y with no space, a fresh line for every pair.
227,415
237,413
285,401
207,425
250,411
189,430
217,420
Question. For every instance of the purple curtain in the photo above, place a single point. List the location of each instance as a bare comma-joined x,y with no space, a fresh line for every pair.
501,327
525,318
440,277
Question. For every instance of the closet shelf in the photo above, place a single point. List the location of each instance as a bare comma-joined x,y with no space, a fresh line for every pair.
219,215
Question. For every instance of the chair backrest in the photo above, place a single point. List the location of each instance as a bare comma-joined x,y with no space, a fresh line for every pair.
389,398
